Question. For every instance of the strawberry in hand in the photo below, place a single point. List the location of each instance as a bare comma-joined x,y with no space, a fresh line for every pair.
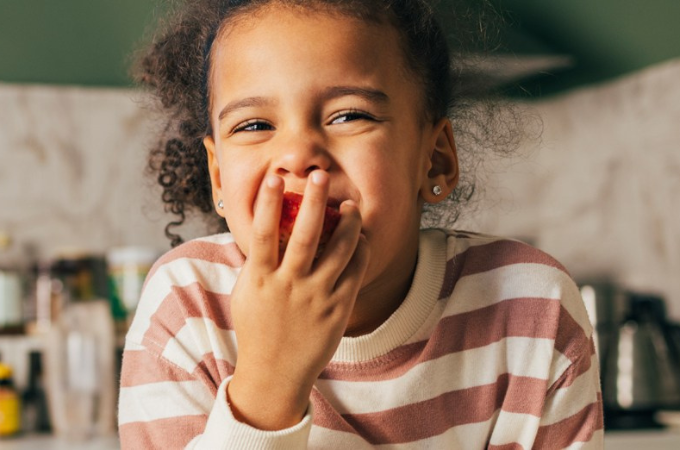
289,212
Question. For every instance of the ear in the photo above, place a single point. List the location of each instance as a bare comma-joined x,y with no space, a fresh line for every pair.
214,170
443,164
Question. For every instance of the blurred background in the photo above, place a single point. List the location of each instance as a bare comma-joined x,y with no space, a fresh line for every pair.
80,222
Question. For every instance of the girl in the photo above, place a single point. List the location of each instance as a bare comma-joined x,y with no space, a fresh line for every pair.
391,336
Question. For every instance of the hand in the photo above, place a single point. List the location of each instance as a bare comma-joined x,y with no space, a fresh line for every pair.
289,317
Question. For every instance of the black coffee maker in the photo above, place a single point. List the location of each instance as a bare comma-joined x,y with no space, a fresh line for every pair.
640,363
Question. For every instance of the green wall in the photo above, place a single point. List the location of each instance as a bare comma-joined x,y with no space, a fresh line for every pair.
83,42
607,38
89,42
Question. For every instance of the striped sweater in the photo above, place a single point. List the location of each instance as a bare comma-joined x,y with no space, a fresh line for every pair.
491,348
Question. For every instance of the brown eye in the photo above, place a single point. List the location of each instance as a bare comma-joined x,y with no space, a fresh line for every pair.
253,125
350,116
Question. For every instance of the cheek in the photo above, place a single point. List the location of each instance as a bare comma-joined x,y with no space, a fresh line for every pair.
239,222
241,178
239,190
391,205
394,202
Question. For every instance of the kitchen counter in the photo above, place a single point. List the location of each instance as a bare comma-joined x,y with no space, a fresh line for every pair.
647,440
49,442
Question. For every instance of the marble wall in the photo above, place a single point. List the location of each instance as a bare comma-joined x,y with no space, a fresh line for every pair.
602,190
601,193
71,170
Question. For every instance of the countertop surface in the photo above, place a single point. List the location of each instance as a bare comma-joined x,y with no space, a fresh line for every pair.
49,442
642,440
619,440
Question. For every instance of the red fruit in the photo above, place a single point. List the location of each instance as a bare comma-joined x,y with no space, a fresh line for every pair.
289,212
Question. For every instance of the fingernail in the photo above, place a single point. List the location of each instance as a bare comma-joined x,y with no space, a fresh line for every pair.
273,181
317,177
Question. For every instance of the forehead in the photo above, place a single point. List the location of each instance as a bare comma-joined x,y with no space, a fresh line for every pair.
324,41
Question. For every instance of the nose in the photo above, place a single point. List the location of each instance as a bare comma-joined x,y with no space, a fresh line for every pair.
302,154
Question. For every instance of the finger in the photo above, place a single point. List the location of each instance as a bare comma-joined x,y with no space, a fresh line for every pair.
304,240
343,243
264,238
350,281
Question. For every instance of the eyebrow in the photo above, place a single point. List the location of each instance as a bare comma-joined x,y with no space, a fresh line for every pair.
244,103
372,95
333,92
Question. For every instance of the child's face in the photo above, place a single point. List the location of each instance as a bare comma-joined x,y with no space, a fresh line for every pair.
294,92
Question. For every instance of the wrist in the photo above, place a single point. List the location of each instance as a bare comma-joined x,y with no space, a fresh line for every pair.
268,405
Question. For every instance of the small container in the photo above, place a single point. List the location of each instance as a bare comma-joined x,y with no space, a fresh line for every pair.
128,268
10,404
11,300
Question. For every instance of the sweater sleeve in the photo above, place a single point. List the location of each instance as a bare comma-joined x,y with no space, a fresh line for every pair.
179,355
572,413
162,406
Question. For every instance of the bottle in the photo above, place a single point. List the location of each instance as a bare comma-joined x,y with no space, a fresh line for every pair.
10,404
34,399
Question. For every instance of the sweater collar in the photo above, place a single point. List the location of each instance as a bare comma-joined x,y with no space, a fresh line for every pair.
412,313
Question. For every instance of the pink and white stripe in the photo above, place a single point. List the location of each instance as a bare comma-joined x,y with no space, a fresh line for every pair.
492,348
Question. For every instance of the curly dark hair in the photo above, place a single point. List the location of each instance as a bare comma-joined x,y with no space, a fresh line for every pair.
176,69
